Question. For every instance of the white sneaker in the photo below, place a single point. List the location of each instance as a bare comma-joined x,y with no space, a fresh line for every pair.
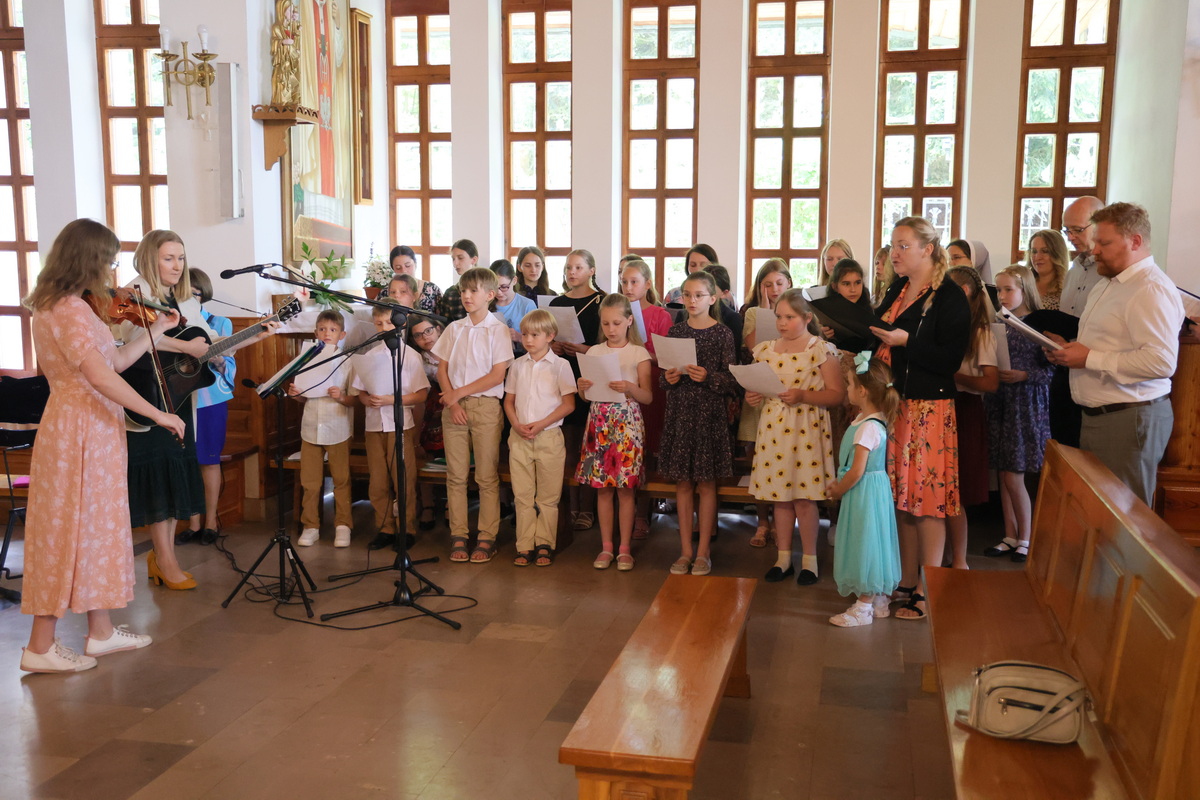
855,616
881,606
120,640
341,536
308,537
58,658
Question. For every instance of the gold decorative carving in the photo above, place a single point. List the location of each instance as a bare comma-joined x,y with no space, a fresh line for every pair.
284,110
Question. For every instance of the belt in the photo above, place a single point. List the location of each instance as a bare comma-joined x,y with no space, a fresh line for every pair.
1110,408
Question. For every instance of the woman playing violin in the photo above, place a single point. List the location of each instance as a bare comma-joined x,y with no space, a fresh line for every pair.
78,543
164,478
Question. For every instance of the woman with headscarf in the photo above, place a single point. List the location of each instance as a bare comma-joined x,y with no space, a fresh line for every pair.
973,254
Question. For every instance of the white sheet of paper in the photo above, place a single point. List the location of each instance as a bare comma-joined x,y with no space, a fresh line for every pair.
379,381
816,292
639,320
601,370
764,326
1026,331
674,353
544,300
320,375
1000,331
757,377
568,325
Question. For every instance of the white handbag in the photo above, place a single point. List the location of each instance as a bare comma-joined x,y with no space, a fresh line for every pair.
1020,700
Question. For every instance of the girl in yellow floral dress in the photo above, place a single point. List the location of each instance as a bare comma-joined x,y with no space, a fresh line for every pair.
793,459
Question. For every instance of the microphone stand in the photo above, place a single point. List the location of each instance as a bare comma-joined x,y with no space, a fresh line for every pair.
403,597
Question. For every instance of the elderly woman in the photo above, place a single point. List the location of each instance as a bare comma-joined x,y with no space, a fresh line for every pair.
931,321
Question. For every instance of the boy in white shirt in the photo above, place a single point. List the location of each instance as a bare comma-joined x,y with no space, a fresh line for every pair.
325,431
475,352
539,394
373,381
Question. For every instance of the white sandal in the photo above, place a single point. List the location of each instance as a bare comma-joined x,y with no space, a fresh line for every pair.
855,616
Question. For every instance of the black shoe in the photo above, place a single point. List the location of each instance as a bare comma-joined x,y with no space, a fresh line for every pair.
409,541
806,578
185,536
208,536
381,541
775,574
1019,554
427,524
1002,549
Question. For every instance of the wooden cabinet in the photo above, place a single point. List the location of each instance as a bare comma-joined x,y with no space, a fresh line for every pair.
1177,498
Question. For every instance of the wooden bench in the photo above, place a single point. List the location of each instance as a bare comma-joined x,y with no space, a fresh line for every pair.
641,734
1112,595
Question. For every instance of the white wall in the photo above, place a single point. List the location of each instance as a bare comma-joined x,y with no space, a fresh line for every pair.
1182,247
1146,106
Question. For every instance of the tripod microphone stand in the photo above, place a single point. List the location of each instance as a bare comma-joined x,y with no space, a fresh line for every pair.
287,551
404,596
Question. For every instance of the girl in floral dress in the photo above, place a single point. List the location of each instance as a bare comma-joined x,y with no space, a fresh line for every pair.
613,446
793,458
696,449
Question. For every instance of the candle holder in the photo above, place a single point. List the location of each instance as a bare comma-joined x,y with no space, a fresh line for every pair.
188,72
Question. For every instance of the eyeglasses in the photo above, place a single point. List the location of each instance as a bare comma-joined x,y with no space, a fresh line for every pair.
503,287
424,332
690,296
903,248
1076,230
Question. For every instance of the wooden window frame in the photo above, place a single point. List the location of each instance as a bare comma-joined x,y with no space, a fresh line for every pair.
922,61
660,69
538,72
12,41
788,67
422,75
1064,57
141,38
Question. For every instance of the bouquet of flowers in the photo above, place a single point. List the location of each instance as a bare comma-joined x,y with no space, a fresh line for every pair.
379,272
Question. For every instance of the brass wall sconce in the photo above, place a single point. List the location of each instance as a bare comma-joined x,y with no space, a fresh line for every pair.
187,73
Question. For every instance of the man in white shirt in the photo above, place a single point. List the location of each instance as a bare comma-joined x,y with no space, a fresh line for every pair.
1127,351
1077,226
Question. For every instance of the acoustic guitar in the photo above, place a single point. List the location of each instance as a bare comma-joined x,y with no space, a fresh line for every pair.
186,374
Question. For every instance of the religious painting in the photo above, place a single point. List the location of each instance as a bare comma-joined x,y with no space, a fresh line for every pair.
360,25
318,170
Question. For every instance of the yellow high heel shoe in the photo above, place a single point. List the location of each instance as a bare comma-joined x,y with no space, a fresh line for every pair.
156,577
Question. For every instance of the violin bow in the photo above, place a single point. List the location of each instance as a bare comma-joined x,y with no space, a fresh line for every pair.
159,376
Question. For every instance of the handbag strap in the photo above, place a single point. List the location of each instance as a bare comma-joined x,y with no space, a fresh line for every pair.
1043,719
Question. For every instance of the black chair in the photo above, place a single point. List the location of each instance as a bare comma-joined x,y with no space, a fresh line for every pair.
23,400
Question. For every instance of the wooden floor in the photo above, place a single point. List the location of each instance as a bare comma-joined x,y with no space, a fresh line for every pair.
239,703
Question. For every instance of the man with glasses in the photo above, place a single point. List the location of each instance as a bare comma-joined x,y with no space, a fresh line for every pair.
1080,232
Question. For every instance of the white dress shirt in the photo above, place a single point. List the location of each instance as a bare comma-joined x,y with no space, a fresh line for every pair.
539,386
373,373
1131,325
1081,277
326,421
470,351
985,356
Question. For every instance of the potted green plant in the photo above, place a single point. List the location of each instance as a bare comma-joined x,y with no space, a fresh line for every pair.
324,271
379,275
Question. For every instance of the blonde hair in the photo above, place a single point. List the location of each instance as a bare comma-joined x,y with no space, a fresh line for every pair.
591,262
1059,258
409,282
877,380
840,244
644,268
927,234
1027,282
770,266
539,321
797,302
478,278
145,261
385,310
621,302
79,261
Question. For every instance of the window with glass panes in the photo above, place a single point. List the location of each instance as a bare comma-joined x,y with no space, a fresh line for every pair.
19,263
923,59
662,76
131,119
789,72
1066,100
537,126
419,104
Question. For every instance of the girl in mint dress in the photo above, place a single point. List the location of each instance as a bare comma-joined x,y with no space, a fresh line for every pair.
866,561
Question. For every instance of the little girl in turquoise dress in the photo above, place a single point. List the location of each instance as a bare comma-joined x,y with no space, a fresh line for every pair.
866,561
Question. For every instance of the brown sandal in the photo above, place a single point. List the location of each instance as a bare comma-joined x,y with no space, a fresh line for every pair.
485,551
544,554
458,550
524,558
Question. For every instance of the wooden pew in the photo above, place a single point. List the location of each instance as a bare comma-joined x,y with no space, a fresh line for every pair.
641,734
1111,594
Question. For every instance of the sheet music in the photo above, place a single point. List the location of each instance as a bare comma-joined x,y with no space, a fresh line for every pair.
674,353
1000,333
639,320
326,371
544,300
601,370
816,292
569,331
1026,331
764,326
307,354
758,377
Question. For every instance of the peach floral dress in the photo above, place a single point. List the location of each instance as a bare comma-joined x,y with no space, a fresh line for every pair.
78,544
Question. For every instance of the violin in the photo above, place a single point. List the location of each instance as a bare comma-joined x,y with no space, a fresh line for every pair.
127,306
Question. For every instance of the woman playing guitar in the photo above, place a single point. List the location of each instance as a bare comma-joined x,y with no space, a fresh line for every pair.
164,478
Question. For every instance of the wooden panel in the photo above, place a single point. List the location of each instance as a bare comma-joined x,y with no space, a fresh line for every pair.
1180,505
654,709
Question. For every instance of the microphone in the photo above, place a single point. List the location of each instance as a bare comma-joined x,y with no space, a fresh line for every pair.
249,384
226,274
